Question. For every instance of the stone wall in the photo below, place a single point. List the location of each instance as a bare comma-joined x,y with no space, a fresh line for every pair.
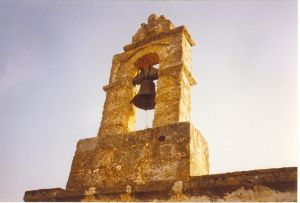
168,153
268,185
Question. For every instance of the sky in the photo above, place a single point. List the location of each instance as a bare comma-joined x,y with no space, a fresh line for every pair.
55,57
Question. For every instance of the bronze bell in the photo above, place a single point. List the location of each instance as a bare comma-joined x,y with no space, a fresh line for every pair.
145,99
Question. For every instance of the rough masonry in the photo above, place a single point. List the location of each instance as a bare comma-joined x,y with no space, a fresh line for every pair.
268,185
168,153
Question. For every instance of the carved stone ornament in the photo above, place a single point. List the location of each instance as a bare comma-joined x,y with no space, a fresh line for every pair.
156,24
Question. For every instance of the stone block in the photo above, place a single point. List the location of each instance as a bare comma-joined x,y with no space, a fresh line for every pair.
172,152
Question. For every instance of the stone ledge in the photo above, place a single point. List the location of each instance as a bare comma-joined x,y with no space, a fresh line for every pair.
256,185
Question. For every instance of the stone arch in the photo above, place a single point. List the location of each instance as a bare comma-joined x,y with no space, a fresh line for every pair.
127,68
147,60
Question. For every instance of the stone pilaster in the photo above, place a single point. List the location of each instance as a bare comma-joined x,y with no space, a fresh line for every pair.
118,113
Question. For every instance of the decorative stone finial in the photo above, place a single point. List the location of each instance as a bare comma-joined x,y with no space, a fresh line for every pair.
156,24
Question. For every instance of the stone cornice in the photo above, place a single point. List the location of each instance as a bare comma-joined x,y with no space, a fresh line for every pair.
123,83
170,69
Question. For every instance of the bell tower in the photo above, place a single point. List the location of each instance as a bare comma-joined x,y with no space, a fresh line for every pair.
120,160
157,42
173,150
168,162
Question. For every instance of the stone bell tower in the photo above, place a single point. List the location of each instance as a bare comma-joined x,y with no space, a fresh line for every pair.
173,150
168,162
121,159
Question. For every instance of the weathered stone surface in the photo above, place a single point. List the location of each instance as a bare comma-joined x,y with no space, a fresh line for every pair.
271,185
172,152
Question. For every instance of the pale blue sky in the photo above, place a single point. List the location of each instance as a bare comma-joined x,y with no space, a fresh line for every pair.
55,56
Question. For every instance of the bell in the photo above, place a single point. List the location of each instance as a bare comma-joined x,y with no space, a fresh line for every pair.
145,99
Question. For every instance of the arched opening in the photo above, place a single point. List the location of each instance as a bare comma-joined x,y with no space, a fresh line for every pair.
144,100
